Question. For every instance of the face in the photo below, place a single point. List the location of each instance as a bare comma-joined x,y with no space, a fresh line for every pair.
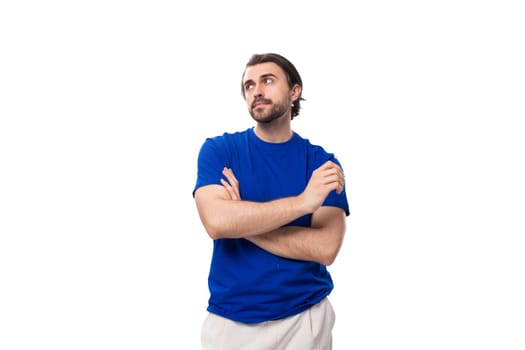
267,93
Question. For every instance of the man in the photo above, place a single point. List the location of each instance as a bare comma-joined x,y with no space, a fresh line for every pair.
275,206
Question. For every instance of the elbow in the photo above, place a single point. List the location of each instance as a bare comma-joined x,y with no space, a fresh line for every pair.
217,229
328,259
331,250
209,226
212,234
213,231
326,255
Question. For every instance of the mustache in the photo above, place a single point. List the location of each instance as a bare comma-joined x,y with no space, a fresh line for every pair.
263,100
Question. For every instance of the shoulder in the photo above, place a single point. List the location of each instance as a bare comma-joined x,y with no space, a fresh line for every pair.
228,137
224,144
225,139
317,154
313,148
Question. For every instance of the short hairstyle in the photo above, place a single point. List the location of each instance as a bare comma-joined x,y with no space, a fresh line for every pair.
292,75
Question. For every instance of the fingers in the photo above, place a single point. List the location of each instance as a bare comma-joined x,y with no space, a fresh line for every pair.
333,175
228,174
335,182
231,184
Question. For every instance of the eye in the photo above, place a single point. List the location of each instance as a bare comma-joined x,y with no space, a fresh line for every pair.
268,80
248,86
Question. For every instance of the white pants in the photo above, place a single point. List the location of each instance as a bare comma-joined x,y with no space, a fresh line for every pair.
309,330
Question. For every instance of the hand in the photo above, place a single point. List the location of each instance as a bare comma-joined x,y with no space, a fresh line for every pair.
328,177
232,185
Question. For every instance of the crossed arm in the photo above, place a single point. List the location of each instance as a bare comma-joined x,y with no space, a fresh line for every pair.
225,215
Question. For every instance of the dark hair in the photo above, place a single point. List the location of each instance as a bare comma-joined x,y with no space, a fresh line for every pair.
292,75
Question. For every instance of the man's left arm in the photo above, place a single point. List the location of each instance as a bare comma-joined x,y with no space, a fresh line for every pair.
320,242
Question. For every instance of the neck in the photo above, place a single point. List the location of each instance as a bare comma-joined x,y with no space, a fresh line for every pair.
273,133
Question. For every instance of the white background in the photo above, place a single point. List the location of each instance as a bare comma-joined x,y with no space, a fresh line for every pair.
104,105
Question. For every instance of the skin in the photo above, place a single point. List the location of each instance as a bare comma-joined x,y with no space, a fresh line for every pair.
225,214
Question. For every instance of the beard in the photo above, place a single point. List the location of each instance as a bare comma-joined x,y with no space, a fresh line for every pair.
276,111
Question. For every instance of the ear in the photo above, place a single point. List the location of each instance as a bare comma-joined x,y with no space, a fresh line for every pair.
295,92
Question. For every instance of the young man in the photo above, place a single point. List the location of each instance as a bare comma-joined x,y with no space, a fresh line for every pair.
275,206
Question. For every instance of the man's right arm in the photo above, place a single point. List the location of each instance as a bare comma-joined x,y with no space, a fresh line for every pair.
225,215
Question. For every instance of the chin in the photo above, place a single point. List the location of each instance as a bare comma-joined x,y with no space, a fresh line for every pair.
259,117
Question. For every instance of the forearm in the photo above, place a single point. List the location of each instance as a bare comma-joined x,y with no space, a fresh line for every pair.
320,242
238,219
301,243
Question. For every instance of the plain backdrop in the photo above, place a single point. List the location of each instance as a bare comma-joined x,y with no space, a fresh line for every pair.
105,104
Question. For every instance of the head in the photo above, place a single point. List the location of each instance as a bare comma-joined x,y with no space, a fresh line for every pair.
293,78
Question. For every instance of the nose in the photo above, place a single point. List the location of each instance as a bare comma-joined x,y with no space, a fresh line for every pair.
257,91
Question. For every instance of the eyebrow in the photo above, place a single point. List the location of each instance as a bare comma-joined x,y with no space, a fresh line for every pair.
267,75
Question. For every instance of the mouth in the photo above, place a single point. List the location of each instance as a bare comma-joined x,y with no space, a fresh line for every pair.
260,103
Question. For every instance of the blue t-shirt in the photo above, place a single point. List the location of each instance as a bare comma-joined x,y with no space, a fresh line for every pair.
248,284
